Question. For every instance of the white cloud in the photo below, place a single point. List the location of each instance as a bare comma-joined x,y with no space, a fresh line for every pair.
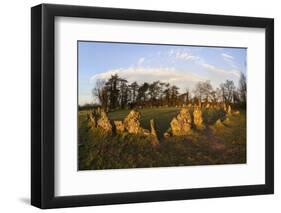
229,59
227,56
186,56
182,55
224,73
182,79
141,60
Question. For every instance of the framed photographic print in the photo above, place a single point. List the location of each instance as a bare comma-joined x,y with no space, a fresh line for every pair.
139,106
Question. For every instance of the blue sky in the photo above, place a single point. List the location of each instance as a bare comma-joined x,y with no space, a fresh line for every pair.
181,65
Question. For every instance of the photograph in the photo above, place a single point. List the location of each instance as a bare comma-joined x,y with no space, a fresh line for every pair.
160,105
139,105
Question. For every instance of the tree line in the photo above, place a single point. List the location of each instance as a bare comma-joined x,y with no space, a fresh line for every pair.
117,93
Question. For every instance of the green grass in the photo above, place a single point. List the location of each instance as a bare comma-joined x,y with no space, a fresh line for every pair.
225,145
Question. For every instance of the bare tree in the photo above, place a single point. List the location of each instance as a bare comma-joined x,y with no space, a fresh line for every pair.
101,92
228,89
214,96
243,88
203,90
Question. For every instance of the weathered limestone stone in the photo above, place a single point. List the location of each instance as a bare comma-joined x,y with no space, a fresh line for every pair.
229,110
132,123
236,112
224,107
152,127
146,132
119,126
181,125
167,135
104,123
218,124
154,138
197,118
226,120
92,120
175,126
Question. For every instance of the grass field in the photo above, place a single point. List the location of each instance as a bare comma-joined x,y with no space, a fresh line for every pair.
213,145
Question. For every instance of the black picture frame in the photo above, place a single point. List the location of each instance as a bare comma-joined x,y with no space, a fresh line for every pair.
43,110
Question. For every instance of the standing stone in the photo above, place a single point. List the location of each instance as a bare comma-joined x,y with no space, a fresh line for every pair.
236,112
224,107
119,126
229,110
167,134
92,120
152,127
197,117
218,124
181,125
226,120
176,127
104,123
132,123
154,138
